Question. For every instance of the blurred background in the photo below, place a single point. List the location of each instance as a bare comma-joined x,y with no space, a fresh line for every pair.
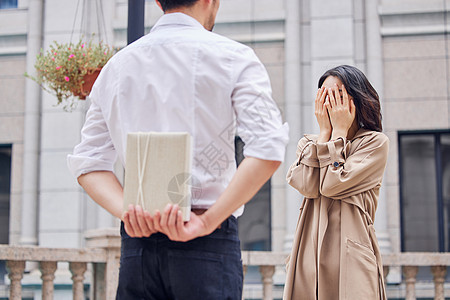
402,46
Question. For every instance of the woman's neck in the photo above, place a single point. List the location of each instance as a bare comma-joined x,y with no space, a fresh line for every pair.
353,130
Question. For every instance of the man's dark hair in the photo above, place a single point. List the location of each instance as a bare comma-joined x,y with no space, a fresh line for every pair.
171,4
365,97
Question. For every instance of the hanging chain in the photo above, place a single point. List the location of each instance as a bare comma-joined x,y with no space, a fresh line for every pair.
101,25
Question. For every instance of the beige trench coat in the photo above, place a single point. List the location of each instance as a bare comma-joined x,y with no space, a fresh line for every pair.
335,252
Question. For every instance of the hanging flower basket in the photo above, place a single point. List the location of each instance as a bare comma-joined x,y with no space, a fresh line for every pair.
68,71
86,85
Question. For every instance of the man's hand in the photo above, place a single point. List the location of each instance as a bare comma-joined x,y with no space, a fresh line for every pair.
170,222
138,223
251,174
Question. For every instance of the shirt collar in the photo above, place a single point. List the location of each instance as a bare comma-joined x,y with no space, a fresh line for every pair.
177,19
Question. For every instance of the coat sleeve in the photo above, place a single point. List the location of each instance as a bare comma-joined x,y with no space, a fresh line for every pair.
303,174
343,177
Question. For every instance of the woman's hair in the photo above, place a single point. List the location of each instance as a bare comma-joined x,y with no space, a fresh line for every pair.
366,99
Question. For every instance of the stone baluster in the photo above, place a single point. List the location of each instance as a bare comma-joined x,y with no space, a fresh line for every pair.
267,278
410,273
77,269
244,272
15,274
48,269
439,273
385,272
108,239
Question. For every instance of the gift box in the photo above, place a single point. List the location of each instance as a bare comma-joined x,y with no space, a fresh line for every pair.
158,171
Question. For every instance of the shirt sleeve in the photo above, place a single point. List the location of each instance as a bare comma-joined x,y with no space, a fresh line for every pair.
95,151
343,177
303,174
258,118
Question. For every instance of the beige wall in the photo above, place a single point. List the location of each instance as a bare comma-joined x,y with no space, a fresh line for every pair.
416,80
12,95
415,67
272,56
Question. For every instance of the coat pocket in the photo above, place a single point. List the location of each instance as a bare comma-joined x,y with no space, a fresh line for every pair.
361,273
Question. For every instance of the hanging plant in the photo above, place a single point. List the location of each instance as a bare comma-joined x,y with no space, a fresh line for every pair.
68,71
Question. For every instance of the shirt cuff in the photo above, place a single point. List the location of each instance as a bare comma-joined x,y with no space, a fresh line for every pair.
83,165
269,147
308,155
331,152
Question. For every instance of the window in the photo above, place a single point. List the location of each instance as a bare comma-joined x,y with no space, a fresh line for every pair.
424,159
5,186
254,224
255,228
8,4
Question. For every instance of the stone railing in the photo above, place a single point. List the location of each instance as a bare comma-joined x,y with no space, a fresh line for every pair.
267,262
103,252
410,263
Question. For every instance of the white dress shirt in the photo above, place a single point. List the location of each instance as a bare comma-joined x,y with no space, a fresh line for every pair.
182,78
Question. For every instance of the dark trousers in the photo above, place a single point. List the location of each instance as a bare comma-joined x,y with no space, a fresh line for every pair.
206,268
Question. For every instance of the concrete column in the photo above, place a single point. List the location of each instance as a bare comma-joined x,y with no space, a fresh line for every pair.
374,73
292,108
30,196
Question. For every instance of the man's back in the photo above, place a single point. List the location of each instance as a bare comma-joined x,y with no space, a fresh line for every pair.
181,77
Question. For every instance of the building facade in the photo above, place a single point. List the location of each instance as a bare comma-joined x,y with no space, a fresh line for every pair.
402,46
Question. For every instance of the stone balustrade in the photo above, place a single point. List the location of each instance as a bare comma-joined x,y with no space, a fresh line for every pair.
103,252
410,263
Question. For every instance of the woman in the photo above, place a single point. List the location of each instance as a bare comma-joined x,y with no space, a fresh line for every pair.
335,253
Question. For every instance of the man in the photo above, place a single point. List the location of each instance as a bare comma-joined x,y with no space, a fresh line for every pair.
183,77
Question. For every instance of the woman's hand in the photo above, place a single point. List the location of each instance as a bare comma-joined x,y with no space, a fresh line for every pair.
322,116
341,111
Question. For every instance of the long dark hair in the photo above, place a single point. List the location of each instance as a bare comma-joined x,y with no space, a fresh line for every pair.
366,99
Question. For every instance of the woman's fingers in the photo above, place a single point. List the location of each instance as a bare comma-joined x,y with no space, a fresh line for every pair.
321,93
331,97
322,98
337,95
327,105
316,101
345,97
